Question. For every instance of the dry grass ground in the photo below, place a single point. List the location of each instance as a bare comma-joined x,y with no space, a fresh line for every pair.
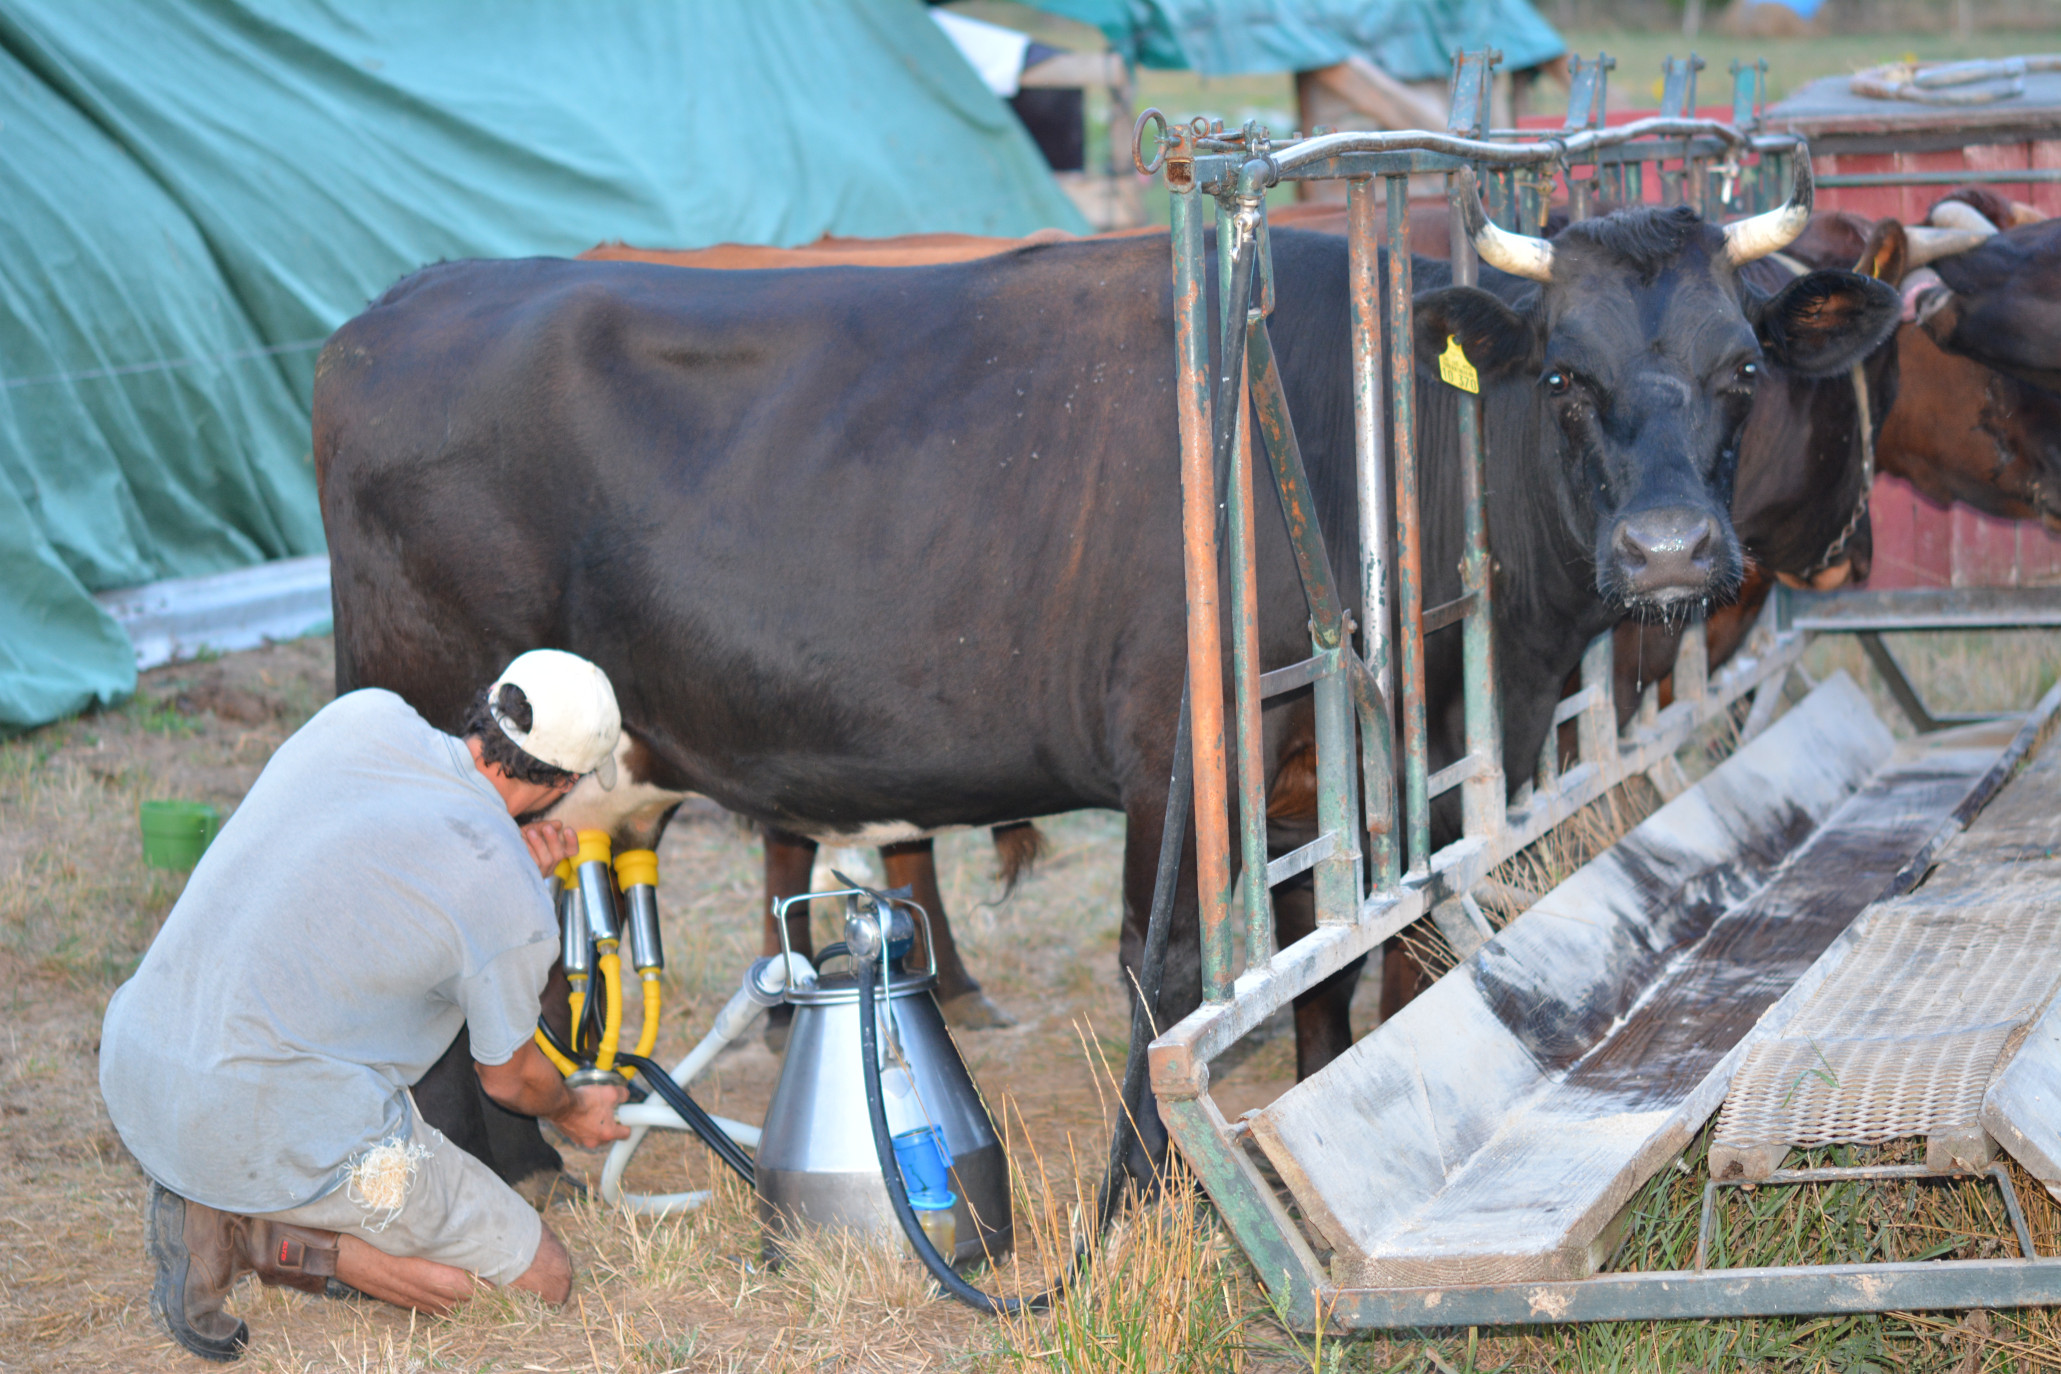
1167,1292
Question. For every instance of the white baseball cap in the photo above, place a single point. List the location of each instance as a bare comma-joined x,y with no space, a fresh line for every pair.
574,721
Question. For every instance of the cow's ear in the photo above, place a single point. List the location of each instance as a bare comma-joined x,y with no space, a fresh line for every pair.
1825,322
1886,254
1496,339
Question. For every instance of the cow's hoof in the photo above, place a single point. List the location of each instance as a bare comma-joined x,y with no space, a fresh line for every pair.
547,1186
971,1010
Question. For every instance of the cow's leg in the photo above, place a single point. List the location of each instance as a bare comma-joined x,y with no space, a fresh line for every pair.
790,860
1180,990
1323,1014
913,864
1401,978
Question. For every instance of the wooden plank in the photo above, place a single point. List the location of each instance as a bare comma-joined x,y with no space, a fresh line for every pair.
1931,560
1985,549
1891,519
2022,1107
2046,195
1367,1144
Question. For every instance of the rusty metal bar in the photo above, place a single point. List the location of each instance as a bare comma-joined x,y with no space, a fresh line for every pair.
1291,481
1281,1259
1448,613
1374,678
1199,559
1484,795
1867,1173
1338,872
1363,276
1409,546
1295,675
1245,676
1792,1290
1377,768
1466,768
1302,860
1239,496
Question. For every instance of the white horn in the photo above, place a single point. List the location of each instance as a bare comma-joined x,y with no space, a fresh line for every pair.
1518,254
1930,245
1778,228
1959,214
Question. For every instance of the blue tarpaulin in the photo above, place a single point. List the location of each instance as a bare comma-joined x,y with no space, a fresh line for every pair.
199,191
1411,40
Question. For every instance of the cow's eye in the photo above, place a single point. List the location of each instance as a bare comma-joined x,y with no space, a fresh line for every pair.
1749,373
1558,383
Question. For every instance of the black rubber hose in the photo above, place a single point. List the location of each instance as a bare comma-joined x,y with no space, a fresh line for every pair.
698,1121
891,1170
1173,837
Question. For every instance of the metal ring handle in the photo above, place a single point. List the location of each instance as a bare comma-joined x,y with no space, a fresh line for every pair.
780,918
1138,142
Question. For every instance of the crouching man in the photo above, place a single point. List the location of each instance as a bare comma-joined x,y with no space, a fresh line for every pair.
374,891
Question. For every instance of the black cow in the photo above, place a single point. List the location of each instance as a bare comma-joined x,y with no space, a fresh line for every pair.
872,554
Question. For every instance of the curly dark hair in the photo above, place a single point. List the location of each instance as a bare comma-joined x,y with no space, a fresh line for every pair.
496,747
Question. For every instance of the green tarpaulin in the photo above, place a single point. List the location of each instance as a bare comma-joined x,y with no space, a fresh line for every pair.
1411,40
198,191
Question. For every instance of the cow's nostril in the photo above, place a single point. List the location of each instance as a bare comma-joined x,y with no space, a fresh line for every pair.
1705,545
1667,551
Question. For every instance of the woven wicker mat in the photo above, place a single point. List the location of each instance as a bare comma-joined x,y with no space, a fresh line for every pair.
1902,1038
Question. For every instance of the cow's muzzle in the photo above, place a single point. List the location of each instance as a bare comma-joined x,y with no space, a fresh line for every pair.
1665,555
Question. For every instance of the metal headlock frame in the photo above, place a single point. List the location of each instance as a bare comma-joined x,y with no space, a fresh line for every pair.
1355,692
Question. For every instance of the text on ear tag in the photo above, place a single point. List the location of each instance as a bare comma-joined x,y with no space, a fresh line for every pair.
1455,370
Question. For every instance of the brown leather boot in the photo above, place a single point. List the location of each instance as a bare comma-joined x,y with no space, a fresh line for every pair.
195,1249
287,1256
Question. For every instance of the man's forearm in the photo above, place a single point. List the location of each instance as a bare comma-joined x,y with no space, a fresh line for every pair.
527,1083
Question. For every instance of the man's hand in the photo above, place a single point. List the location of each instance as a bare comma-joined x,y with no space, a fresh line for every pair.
590,1120
550,842
528,1083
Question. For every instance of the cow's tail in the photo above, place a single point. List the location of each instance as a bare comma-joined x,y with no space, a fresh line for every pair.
1018,847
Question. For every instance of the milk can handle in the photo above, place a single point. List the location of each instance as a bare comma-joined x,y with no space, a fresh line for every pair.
780,920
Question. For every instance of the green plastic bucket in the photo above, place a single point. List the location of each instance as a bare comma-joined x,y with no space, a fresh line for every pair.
176,832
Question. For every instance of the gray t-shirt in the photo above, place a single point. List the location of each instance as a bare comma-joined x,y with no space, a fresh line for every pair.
369,896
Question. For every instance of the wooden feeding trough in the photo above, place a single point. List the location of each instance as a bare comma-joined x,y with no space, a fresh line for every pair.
1470,1161
1496,1128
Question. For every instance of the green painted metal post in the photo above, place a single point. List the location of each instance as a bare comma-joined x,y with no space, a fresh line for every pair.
1245,672
1409,561
1292,485
1272,1241
1363,274
1482,796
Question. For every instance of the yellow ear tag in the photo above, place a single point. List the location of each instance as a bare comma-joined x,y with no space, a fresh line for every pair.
1455,370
